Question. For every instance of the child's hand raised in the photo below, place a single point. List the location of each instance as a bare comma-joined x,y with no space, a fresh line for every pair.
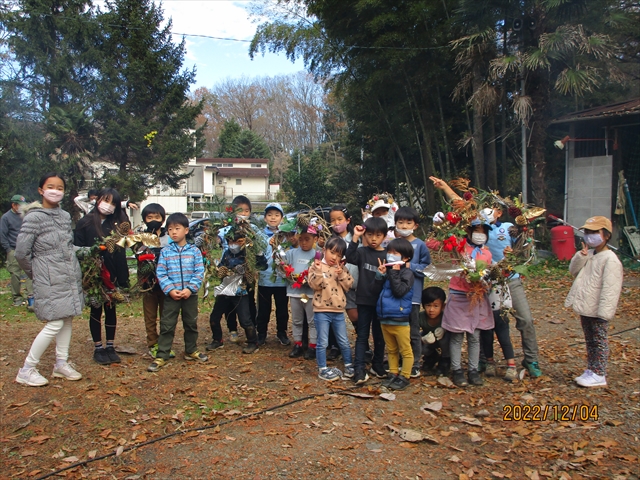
584,250
358,231
396,267
339,269
382,268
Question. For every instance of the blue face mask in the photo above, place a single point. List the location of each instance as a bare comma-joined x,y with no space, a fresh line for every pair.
235,248
593,240
393,258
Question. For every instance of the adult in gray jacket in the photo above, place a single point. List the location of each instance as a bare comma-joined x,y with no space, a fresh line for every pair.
10,224
45,251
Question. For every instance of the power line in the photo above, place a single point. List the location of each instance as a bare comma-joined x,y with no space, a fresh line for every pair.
213,37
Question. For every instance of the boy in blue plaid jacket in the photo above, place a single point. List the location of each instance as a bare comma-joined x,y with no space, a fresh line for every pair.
180,272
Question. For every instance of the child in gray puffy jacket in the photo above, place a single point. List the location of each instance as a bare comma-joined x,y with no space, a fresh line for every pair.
45,251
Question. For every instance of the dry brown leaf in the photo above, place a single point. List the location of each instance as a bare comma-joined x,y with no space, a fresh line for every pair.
119,450
358,395
471,421
388,396
17,405
433,406
28,453
40,439
71,459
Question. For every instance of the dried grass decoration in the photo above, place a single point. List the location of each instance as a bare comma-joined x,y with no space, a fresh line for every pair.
447,240
96,279
254,248
310,222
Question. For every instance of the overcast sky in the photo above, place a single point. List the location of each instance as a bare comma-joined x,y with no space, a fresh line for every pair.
216,60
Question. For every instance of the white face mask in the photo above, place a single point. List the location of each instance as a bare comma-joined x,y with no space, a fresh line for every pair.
392,257
235,248
243,217
479,238
404,233
593,240
53,196
106,208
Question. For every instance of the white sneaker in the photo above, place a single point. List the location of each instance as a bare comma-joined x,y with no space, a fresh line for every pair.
67,371
586,373
234,337
31,377
591,380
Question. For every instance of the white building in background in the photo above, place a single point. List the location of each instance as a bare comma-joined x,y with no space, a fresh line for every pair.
221,177
228,178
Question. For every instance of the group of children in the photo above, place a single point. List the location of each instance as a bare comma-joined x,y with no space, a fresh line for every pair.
376,279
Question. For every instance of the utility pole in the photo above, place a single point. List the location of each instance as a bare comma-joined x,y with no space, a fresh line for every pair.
524,149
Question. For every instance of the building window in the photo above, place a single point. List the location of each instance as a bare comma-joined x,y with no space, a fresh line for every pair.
218,164
219,182
227,165
256,165
238,181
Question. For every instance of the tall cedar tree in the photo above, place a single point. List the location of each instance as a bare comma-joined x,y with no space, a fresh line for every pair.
143,90
51,41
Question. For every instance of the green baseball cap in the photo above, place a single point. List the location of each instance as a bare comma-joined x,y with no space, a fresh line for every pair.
18,199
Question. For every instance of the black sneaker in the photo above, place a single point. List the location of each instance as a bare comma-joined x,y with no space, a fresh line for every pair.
214,345
389,379
296,352
474,378
101,356
368,356
262,339
310,354
399,383
333,353
459,378
113,356
250,348
415,372
443,366
284,340
360,377
378,371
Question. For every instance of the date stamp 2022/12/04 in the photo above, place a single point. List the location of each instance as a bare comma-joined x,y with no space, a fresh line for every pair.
553,413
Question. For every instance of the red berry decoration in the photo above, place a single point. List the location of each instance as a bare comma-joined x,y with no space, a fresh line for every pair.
514,212
467,196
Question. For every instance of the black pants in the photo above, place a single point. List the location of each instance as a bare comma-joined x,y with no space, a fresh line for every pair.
368,323
232,323
95,322
502,332
240,307
281,300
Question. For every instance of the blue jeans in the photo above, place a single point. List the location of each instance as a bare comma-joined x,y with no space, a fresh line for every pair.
335,321
368,323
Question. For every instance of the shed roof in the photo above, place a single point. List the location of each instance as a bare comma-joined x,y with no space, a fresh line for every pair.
629,107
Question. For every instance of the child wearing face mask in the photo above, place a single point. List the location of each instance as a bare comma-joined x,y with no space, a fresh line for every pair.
96,225
462,316
341,227
407,221
594,296
153,297
330,281
234,259
44,250
242,209
394,311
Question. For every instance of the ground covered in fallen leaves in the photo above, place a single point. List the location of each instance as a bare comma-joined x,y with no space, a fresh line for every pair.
269,416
